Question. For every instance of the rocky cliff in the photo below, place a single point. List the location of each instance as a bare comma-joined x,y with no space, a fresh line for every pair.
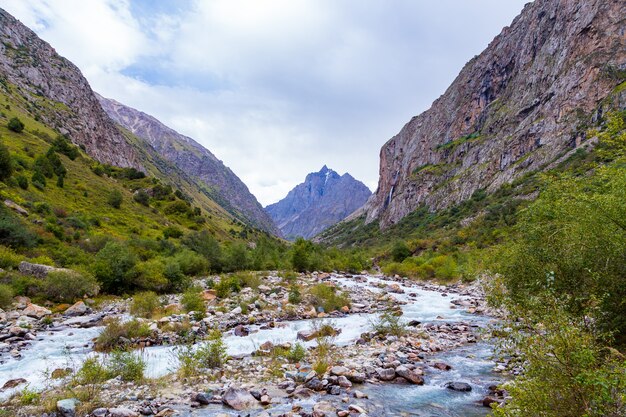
195,161
522,103
55,92
322,200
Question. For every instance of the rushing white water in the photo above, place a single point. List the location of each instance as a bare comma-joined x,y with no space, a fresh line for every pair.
69,347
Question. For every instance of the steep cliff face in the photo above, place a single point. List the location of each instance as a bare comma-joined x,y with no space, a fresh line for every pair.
516,107
322,200
32,68
195,161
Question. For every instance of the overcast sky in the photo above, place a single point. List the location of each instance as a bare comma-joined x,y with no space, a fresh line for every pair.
274,88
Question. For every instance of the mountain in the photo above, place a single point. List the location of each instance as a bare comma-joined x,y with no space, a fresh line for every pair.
195,161
55,92
524,103
322,200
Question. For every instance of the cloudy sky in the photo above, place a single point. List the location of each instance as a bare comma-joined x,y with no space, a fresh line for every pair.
274,88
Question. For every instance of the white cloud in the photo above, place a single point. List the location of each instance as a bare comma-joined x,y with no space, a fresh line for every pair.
274,88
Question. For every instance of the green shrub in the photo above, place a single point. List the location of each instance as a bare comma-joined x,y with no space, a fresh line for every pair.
149,275
301,253
63,145
13,232
191,263
116,334
38,180
145,304
207,356
192,301
177,280
9,259
115,199
129,366
173,232
296,353
6,163
29,396
6,296
177,207
91,375
227,285
294,294
328,297
205,245
142,197
16,125
22,181
64,286
400,251
114,267
389,324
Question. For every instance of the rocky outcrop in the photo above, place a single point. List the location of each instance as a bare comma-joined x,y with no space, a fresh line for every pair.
519,105
322,200
194,160
39,270
56,93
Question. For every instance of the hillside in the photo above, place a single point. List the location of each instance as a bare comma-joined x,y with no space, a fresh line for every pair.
524,102
198,163
322,200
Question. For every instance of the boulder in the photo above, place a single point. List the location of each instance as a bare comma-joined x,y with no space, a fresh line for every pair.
459,386
410,375
67,407
203,398
239,399
78,309
241,331
35,311
343,382
12,383
339,370
122,412
385,374
442,366
16,207
209,295
38,270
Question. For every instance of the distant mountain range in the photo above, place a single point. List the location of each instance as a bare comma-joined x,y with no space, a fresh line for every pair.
322,200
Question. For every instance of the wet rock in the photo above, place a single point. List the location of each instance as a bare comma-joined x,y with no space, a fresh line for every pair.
410,375
202,398
343,382
122,412
324,409
241,331
488,400
12,383
442,366
385,374
35,311
459,386
67,407
78,309
239,399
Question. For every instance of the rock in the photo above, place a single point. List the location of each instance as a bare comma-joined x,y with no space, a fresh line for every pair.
265,399
209,295
35,311
359,395
339,370
409,375
239,399
39,270
236,310
241,331
306,335
385,374
12,383
488,400
60,373
122,412
442,366
67,407
78,309
14,206
315,384
100,412
324,409
459,386
264,289
356,408
202,398
345,309
343,382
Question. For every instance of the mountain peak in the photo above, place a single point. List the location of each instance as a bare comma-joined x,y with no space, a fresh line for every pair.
318,203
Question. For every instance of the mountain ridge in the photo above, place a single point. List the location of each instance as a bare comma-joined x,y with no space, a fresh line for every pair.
322,200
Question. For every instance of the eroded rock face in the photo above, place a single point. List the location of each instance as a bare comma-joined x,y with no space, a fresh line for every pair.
322,200
516,107
34,68
194,160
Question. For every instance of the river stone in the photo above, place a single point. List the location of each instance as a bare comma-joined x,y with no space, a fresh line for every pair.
323,409
385,374
442,366
343,382
78,309
67,407
122,412
35,311
202,398
339,370
12,383
409,375
459,386
239,399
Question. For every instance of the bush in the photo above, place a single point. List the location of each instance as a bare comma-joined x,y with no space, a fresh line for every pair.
115,199
6,163
116,334
294,294
22,181
301,253
13,232
6,296
296,353
389,324
38,180
129,366
15,125
191,264
64,286
206,245
9,259
90,376
142,197
149,275
227,285
400,251
114,268
209,355
177,207
328,298
192,301
63,145
173,232
145,304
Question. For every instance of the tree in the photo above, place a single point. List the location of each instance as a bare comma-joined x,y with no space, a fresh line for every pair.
114,267
6,164
15,125
115,199
400,251
300,255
